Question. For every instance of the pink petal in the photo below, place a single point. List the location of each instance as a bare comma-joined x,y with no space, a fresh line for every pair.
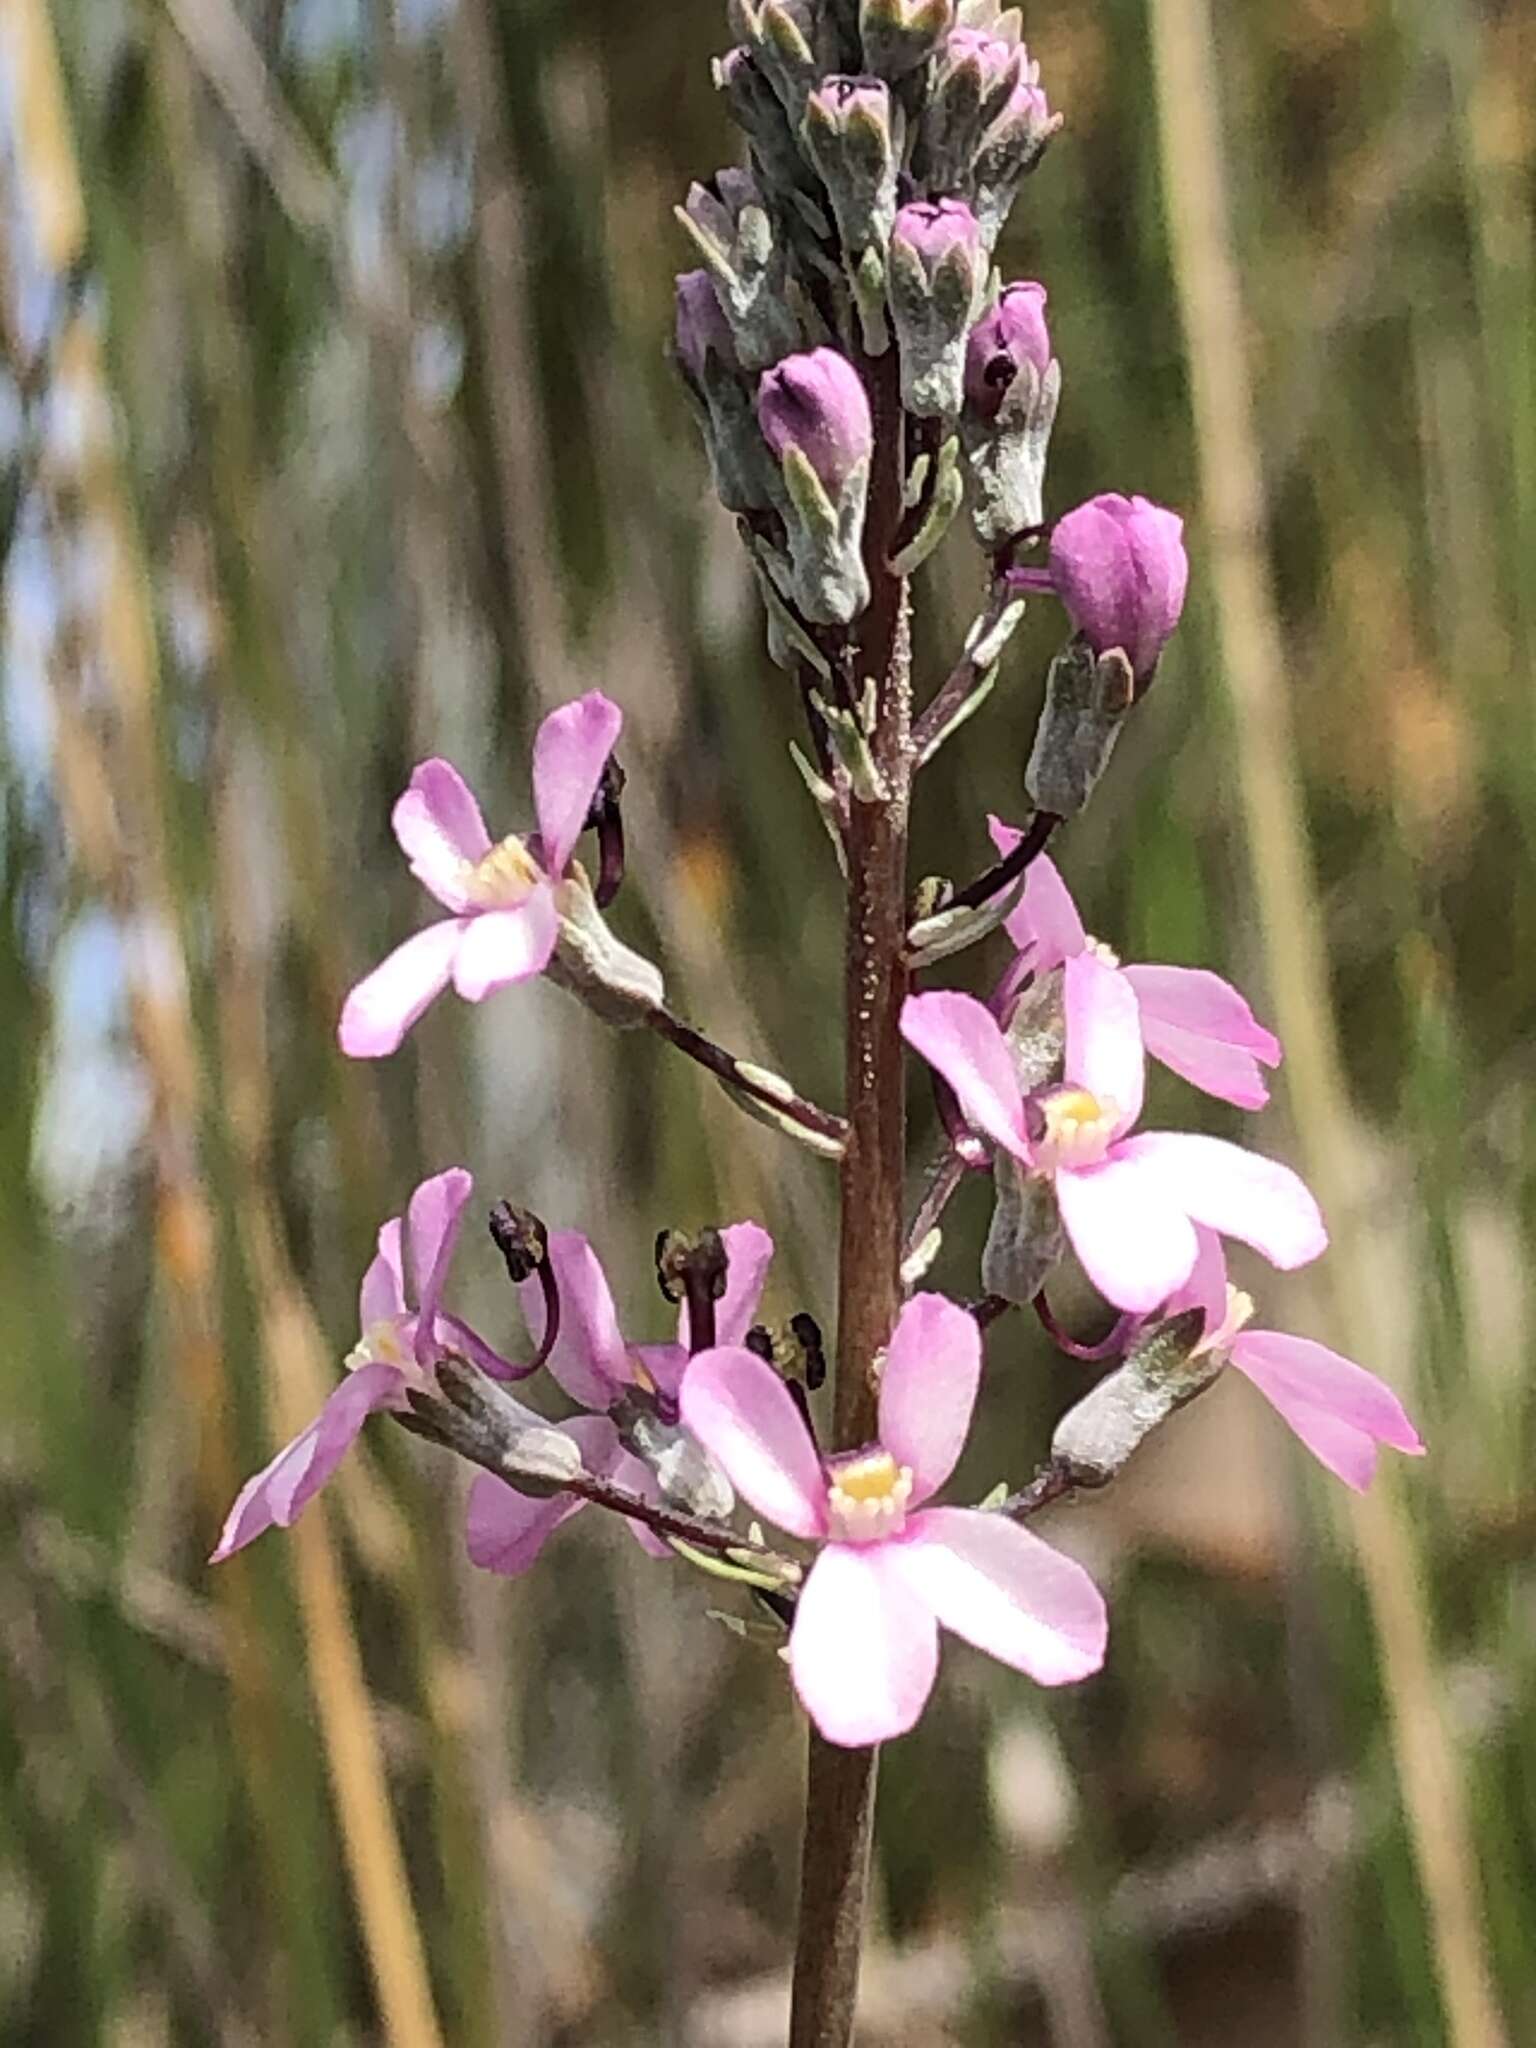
589,1359
1046,916
1220,1070
1206,1287
1135,1245
662,1364
1194,999
506,1529
928,1389
864,1648
1340,1411
503,946
748,1252
633,1473
431,1231
960,1038
386,1003
277,1493
742,1413
439,827
1005,1591
1103,1051
382,1295
569,752
1242,1194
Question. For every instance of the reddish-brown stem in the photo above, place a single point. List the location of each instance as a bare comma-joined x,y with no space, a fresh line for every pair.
727,1068
840,1783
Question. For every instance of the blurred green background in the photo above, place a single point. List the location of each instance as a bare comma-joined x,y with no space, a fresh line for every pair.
337,431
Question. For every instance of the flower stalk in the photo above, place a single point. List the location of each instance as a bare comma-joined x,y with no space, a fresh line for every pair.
840,1783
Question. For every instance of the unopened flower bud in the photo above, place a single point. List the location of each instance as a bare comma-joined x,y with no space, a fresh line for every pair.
721,397
1012,386
781,34
815,418
974,77
898,35
935,270
1010,149
816,403
731,229
702,326
1012,337
852,134
759,112
1118,565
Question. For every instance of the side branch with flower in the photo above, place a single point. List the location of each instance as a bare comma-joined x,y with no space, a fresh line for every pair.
862,373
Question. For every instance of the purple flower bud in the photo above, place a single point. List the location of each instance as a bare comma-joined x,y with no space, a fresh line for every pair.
898,35
934,229
1027,107
1118,565
1012,334
838,99
701,325
992,57
816,403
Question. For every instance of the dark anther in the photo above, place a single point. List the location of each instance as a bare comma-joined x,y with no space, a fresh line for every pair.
807,1334
607,819
760,1339
523,1242
521,1239
693,1269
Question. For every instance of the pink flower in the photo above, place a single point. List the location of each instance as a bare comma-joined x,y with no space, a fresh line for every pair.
1193,1021
1341,1412
1129,1204
503,898
395,1350
600,1370
864,1647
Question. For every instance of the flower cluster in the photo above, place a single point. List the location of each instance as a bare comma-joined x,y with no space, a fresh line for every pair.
848,324
886,143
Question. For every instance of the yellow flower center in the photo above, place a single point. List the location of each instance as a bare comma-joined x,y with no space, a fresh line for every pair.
867,1498
382,1343
502,878
1238,1314
1079,1128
